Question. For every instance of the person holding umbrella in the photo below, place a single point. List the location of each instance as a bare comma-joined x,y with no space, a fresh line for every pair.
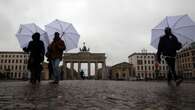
37,50
55,53
168,45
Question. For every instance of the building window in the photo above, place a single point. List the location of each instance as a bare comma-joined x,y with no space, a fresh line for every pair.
19,75
124,74
19,67
148,61
152,67
139,62
163,67
150,75
137,67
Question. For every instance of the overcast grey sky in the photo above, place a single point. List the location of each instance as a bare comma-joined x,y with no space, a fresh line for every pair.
116,27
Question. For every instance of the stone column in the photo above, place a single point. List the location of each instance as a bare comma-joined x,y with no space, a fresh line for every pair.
103,70
65,72
72,70
89,69
79,67
96,72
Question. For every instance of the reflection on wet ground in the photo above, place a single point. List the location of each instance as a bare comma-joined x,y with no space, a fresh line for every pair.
96,95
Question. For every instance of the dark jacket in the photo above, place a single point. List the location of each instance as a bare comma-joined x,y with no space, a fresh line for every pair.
37,51
168,46
55,49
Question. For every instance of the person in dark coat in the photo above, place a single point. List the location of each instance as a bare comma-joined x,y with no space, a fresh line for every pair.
168,45
37,51
82,74
56,49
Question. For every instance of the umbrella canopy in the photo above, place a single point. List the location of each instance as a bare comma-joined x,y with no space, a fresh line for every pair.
25,32
182,27
67,32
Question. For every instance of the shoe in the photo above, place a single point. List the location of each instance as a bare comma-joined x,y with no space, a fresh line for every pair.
178,82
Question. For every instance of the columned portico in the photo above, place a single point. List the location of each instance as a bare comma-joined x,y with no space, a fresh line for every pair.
83,57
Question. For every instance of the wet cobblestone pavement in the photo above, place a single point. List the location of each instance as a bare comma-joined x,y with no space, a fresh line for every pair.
96,95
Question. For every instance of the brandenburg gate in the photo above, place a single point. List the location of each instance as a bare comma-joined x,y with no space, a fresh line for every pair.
84,56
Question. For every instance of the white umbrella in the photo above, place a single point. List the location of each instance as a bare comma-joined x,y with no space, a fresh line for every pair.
25,32
182,27
67,32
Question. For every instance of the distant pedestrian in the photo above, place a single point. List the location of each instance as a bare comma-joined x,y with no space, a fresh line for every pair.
37,51
168,45
82,74
56,49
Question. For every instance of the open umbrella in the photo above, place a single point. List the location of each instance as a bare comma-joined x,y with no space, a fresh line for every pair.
25,32
182,27
67,32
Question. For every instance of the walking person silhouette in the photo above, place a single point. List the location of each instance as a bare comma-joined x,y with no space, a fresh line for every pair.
168,45
37,51
54,54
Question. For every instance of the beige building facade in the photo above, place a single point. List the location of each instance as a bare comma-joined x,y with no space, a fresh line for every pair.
144,64
185,62
13,64
122,71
